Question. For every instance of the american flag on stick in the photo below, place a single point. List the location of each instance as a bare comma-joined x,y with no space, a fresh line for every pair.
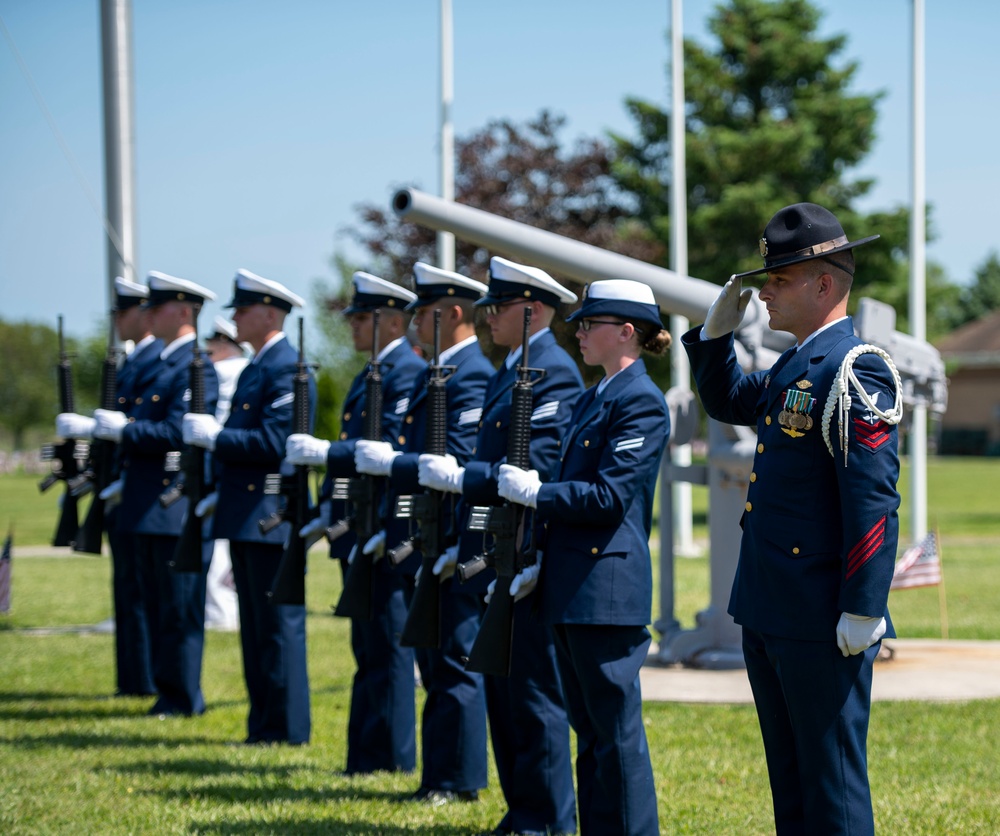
920,565
5,562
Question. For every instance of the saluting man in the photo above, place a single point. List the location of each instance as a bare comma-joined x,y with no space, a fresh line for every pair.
250,446
820,526
381,731
133,651
175,601
528,723
453,731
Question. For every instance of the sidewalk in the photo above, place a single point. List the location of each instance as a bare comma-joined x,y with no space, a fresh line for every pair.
921,669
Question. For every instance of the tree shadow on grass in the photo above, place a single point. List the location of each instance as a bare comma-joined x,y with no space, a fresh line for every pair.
327,827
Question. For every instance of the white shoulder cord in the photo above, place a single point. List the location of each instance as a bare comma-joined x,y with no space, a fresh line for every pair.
840,397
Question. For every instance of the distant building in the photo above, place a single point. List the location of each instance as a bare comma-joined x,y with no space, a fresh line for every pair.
971,426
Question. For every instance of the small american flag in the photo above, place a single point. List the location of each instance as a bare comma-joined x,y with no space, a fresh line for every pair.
920,565
5,561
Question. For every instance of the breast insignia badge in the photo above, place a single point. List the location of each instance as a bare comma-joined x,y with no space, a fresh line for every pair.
794,417
804,384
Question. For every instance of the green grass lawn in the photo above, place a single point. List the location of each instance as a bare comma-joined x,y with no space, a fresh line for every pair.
74,760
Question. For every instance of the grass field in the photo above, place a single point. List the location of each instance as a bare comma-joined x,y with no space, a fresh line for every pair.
74,760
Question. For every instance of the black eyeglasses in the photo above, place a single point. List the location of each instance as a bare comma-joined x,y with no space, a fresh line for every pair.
587,324
494,310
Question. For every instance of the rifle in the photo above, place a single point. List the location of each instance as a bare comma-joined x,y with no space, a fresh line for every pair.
102,457
289,586
192,482
362,492
491,651
423,621
68,454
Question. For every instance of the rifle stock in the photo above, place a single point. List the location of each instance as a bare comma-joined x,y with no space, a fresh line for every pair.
362,493
491,651
289,585
102,456
423,620
192,482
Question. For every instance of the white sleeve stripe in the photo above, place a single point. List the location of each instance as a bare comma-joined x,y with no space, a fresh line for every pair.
546,410
470,416
630,444
284,399
402,405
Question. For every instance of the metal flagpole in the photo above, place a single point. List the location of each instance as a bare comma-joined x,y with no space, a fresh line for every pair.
446,240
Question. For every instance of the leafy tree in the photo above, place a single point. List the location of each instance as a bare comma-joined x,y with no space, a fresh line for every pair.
770,121
982,296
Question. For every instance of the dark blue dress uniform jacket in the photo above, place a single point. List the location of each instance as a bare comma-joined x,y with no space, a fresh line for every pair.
819,538
596,566
154,429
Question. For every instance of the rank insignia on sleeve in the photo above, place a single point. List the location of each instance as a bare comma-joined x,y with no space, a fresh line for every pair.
794,417
870,430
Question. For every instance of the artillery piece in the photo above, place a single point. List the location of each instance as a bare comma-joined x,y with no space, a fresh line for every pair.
715,641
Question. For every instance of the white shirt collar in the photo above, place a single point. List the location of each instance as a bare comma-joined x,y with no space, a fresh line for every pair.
448,353
606,380
817,332
390,348
515,355
279,336
178,343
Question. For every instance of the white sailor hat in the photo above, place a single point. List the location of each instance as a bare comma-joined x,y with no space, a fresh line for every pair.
433,283
251,289
626,299
509,281
164,288
129,294
371,293
224,329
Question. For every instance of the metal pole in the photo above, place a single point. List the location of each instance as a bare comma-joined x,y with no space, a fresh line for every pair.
119,140
446,240
918,295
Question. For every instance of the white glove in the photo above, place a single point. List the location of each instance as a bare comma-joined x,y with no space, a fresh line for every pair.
444,568
374,457
312,532
526,580
200,430
352,554
72,425
375,546
489,591
207,505
520,486
305,449
727,311
108,424
113,492
856,633
440,473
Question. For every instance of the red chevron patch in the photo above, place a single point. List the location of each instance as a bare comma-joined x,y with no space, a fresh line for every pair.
866,547
872,436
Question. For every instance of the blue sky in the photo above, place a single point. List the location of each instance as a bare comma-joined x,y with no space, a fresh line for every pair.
260,126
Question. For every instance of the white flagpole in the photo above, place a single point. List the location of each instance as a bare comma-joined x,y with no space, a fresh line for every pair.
446,240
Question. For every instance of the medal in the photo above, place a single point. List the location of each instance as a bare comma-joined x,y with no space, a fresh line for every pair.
794,417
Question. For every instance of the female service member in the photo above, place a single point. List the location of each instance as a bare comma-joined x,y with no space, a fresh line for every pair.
596,583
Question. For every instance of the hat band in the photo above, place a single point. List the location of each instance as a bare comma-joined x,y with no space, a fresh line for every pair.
815,249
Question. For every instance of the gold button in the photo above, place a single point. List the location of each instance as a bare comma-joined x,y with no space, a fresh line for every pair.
246,406
138,401
760,448
343,436
767,420
473,451
121,400
795,550
594,550
251,487
166,482
156,398
409,419
131,420
401,440
749,506
347,416
498,425
586,443
753,477
364,412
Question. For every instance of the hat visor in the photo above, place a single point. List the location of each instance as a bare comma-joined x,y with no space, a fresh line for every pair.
778,263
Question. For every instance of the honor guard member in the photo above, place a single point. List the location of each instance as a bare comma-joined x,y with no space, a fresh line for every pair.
381,731
133,653
250,446
175,601
820,526
229,359
596,584
453,729
528,723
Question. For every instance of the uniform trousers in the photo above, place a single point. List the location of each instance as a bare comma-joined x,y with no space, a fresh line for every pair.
382,726
133,652
453,732
599,667
175,608
273,637
530,732
813,706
